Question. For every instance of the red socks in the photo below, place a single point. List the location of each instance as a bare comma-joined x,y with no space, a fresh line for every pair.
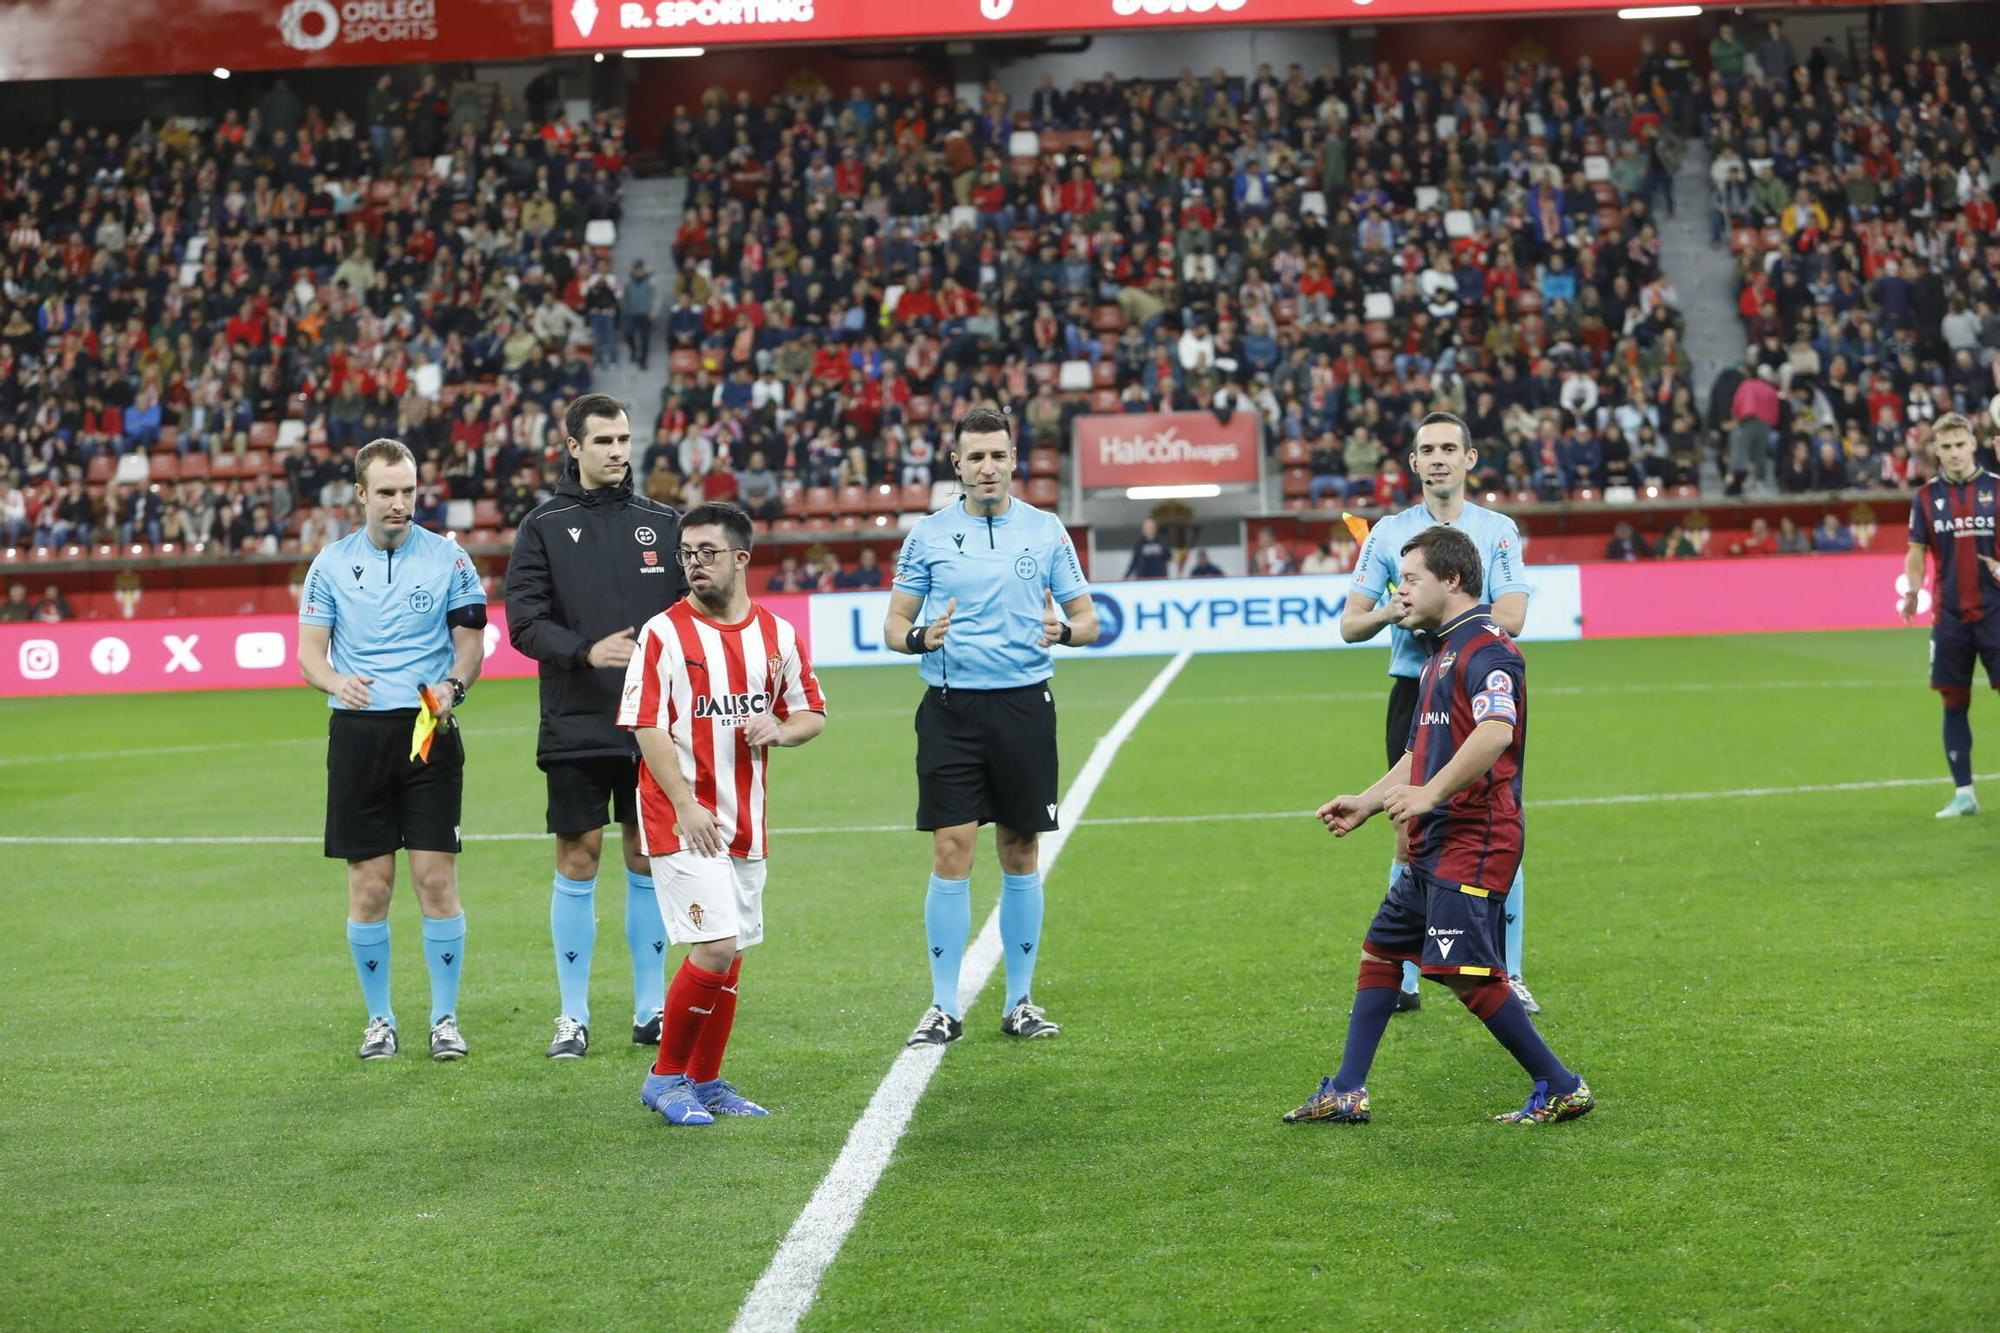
692,997
706,1062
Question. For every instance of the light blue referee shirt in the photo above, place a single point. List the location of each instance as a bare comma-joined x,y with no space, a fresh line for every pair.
387,610
998,568
1499,543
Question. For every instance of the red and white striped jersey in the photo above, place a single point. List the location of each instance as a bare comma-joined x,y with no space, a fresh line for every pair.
699,681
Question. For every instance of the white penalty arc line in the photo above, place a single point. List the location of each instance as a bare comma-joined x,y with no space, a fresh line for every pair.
787,1289
1115,821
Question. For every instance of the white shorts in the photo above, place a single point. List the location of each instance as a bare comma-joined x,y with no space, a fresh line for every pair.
706,898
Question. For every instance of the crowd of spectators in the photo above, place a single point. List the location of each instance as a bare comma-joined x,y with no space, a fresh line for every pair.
1339,253
1859,200
176,300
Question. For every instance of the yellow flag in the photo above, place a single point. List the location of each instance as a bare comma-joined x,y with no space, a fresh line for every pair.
426,728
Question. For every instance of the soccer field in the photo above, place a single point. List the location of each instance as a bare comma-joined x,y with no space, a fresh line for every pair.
1746,929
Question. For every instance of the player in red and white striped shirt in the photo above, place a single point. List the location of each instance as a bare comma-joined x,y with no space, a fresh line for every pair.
714,682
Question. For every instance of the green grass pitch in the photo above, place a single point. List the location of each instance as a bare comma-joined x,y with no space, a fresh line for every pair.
1783,1001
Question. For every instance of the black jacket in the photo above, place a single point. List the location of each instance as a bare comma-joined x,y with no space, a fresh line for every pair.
587,564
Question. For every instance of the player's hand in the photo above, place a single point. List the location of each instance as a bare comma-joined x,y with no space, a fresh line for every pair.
1052,621
1343,814
762,730
697,829
1992,567
1909,608
443,700
1395,608
614,650
1404,803
352,691
935,631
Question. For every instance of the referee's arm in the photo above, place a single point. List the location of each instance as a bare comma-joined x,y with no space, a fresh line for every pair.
316,666
1510,612
532,626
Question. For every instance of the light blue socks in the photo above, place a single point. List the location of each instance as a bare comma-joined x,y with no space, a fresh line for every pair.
573,927
444,950
646,935
1020,932
947,925
368,941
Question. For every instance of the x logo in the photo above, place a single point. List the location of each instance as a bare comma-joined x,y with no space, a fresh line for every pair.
180,653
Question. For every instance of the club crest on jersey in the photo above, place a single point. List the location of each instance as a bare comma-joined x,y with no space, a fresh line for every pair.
421,601
645,536
774,666
731,709
1444,663
1026,568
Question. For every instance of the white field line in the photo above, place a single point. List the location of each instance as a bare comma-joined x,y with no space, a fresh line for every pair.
786,1290
478,730
837,830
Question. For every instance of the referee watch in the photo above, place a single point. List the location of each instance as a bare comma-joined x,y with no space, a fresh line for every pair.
458,690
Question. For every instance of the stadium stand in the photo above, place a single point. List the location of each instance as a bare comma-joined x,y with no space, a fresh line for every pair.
203,323
1859,204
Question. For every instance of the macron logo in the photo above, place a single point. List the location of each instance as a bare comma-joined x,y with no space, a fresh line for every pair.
576,534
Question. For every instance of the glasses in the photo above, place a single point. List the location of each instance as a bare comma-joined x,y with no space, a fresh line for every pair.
702,556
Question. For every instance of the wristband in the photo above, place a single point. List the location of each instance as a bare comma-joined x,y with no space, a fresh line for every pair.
914,640
1067,633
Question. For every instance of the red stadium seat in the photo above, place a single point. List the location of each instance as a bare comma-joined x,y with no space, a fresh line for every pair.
101,468
165,467
486,513
1298,482
914,498
1104,401
1043,492
225,467
921,408
1042,372
684,361
818,502
884,499
1044,462
1585,495
1104,374
1294,453
263,434
194,466
852,500
1107,319
791,494
1286,312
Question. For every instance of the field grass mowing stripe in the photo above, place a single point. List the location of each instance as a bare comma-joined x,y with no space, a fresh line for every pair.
900,711
786,1290
835,830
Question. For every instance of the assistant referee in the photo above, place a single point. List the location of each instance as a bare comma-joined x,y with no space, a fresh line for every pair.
976,591
589,567
388,611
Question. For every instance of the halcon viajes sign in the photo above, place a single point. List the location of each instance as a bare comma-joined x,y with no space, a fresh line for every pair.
1166,449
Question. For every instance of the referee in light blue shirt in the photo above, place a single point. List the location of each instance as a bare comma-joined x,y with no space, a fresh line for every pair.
388,611
1443,457
976,598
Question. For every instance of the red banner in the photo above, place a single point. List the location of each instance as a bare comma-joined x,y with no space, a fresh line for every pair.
1166,449
623,23
217,652
73,39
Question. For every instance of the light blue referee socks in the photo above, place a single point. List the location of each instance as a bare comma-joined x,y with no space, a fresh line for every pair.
368,941
646,934
1411,977
444,950
573,926
1515,909
947,923
1020,932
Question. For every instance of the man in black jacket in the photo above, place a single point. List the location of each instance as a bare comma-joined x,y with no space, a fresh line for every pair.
590,565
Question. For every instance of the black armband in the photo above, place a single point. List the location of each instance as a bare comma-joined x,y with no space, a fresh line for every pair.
467,617
914,640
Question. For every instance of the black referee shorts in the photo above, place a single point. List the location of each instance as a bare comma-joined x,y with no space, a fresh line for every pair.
987,757
378,798
1402,712
579,790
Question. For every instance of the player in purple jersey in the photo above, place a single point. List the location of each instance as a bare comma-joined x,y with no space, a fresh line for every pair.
1458,789
1952,519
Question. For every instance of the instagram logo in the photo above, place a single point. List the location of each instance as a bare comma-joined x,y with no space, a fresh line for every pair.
39,660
